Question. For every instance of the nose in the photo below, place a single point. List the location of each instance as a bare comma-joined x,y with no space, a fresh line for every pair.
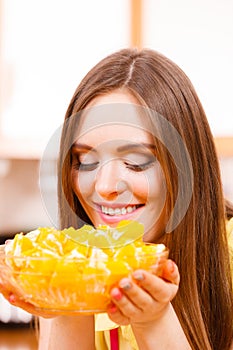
109,181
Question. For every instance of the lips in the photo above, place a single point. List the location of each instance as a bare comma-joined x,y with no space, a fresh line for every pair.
112,213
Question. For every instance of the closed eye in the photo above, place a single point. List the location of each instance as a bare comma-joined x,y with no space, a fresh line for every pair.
84,161
140,167
85,166
88,166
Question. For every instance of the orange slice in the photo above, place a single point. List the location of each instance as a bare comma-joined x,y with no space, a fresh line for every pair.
151,255
104,236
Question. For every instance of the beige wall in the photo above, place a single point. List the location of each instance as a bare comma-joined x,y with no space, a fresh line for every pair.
21,207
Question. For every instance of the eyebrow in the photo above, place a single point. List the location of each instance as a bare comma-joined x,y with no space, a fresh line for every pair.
82,146
127,147
136,146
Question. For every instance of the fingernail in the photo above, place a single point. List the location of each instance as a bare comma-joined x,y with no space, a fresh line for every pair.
112,309
125,284
12,298
138,276
171,266
116,294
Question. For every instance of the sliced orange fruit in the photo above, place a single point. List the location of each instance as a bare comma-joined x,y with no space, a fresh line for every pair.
127,253
51,239
68,273
117,270
104,236
150,255
75,269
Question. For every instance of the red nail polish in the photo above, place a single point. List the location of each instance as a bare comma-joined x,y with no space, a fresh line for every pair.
12,298
116,294
112,309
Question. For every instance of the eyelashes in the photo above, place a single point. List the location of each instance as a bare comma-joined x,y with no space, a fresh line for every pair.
93,166
140,167
78,165
85,167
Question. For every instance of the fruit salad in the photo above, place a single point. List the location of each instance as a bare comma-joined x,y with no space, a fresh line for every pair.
73,270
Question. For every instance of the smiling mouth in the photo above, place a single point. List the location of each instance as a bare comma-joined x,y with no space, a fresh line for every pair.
119,211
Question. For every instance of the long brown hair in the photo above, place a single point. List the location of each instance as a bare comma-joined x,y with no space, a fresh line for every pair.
204,303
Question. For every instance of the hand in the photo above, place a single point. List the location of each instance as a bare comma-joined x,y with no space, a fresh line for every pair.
12,296
145,297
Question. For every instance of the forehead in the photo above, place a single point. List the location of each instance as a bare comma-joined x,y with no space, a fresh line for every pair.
114,116
114,135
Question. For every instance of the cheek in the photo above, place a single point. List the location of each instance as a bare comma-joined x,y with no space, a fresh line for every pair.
139,186
157,186
149,186
82,184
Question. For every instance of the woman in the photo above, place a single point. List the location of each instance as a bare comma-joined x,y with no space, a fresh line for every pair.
198,244
168,175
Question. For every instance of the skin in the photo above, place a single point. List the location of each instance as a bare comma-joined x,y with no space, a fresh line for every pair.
115,166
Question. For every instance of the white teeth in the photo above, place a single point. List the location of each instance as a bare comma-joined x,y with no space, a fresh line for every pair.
118,211
111,211
123,211
131,209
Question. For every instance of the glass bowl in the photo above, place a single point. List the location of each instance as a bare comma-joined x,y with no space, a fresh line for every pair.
67,285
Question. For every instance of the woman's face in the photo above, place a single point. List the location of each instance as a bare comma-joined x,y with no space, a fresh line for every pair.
115,173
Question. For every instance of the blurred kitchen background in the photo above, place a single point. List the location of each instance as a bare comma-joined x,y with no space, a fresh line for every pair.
46,47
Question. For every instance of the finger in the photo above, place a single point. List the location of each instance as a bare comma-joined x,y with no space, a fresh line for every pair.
138,296
116,315
170,272
159,289
124,304
5,292
15,300
11,296
12,299
32,309
7,289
